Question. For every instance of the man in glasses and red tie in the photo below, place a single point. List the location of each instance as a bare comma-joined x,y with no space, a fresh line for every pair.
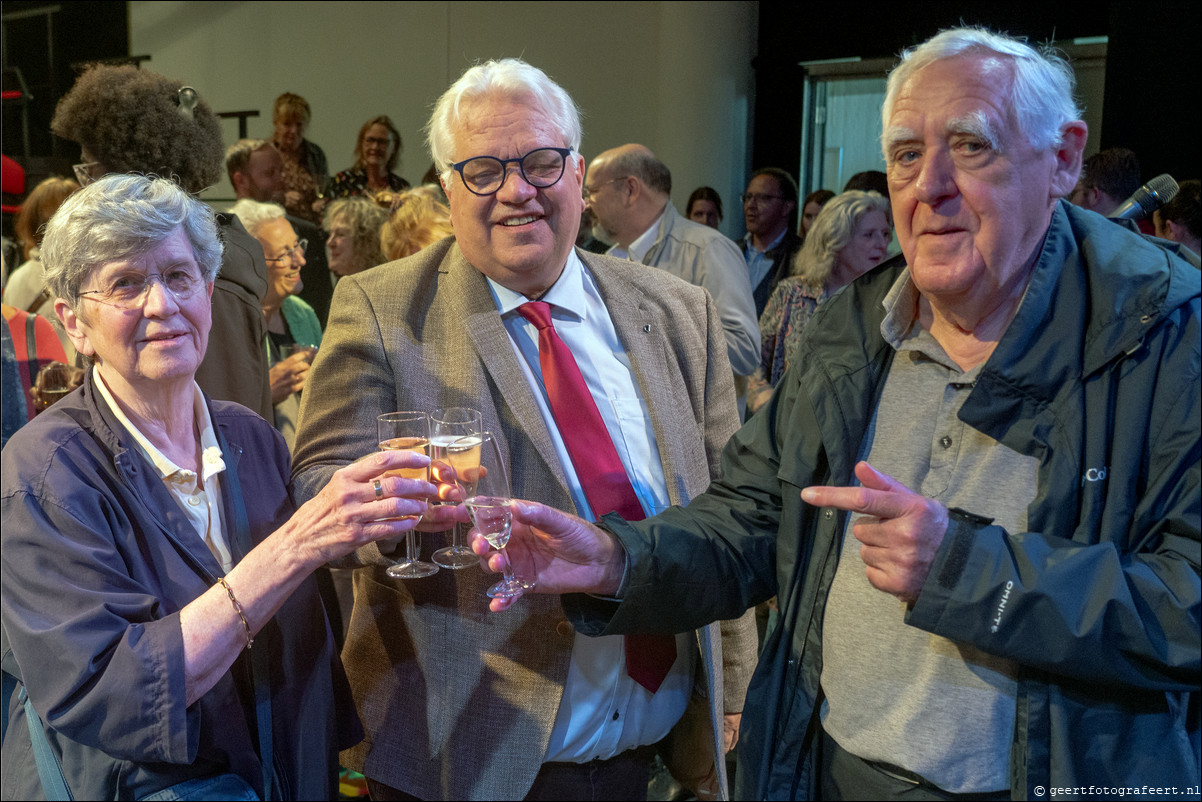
609,389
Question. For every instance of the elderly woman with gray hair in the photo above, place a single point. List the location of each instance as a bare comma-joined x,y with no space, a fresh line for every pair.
849,237
150,537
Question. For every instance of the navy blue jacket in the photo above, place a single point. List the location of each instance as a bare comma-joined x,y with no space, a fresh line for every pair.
98,562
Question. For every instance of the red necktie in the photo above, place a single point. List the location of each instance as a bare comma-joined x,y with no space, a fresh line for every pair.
599,469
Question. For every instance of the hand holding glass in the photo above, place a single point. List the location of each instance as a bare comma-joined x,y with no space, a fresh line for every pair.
407,431
289,349
489,507
455,440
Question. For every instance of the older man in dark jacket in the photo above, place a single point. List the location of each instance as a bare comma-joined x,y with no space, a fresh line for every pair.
976,495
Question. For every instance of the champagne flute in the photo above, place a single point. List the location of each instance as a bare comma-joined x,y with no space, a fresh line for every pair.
407,431
53,383
490,510
455,440
288,349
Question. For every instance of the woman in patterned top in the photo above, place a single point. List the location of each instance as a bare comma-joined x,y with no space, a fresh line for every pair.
849,237
376,154
305,169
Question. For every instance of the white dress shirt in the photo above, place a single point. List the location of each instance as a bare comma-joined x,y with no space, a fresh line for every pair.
199,496
758,264
603,712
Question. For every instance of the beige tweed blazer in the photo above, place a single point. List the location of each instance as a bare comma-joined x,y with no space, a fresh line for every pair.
458,702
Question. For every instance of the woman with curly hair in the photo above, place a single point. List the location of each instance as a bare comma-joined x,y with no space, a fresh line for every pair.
305,169
421,219
354,242
849,237
377,152
127,120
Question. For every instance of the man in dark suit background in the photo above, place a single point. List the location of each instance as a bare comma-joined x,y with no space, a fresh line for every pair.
458,704
769,205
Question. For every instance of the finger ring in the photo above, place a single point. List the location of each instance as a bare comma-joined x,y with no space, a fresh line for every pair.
379,488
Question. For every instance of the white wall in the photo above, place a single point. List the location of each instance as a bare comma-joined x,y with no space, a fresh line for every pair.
675,76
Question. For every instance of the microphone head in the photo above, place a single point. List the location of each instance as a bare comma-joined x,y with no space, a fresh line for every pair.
1147,199
1161,190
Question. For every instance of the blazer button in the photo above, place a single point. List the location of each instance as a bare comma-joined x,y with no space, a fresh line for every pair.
563,629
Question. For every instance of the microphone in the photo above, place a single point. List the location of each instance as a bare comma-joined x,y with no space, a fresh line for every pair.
1147,199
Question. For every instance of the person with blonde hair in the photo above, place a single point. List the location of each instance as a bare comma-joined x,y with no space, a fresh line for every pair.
849,237
306,170
353,244
419,220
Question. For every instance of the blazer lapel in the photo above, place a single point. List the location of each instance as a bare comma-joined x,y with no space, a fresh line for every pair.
639,327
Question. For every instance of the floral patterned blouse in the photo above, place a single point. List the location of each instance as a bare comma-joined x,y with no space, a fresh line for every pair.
352,183
788,311
306,175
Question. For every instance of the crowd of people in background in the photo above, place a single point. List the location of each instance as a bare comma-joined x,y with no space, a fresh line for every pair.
317,300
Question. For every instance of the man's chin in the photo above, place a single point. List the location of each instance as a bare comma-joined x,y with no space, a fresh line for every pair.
599,233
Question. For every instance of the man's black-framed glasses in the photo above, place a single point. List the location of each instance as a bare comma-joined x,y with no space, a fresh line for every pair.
542,168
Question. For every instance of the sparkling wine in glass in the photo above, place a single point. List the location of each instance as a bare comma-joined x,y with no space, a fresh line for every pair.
407,431
53,383
455,440
490,509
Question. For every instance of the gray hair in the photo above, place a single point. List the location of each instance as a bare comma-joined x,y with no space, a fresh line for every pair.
831,232
123,217
1041,95
509,78
254,213
645,166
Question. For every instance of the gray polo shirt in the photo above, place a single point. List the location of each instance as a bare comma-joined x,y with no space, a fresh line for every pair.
897,694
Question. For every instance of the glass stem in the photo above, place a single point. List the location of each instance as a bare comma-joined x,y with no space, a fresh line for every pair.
469,490
507,569
411,546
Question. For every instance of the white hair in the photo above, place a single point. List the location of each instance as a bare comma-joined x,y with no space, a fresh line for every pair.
254,214
1041,95
121,217
508,78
